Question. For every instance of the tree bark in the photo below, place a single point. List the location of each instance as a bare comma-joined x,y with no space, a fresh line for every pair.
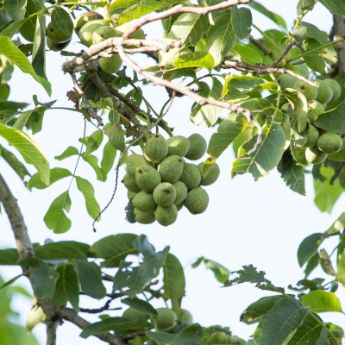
339,32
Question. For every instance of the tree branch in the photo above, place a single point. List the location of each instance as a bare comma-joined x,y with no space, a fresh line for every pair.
72,316
339,33
51,331
14,214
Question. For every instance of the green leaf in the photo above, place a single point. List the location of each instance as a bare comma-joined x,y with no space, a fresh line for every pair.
277,19
114,248
241,19
258,309
337,226
248,54
90,278
56,174
197,60
39,47
332,120
15,8
92,160
280,322
67,286
341,261
292,173
327,192
335,6
108,158
17,57
174,281
62,23
321,301
62,250
309,247
8,257
221,38
88,192
93,141
140,305
43,280
56,218
17,166
221,273
13,28
249,274
27,148
70,151
227,131
267,155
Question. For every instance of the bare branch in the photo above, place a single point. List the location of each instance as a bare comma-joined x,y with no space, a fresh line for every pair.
14,214
87,104
73,317
51,331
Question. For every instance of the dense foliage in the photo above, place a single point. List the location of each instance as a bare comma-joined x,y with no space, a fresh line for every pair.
275,97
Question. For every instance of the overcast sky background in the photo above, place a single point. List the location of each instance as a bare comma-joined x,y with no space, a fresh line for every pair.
247,222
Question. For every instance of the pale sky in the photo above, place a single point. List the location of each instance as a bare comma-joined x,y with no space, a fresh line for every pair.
247,222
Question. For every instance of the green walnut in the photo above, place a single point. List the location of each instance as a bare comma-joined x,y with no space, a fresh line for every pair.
335,87
156,148
165,319
330,143
144,217
84,18
190,176
133,162
314,156
130,194
315,109
178,145
166,215
130,217
197,146
103,33
131,185
209,172
143,201
164,194
324,93
312,136
309,91
286,81
197,200
171,168
185,316
87,30
57,46
135,315
55,35
181,192
147,178
110,64
218,338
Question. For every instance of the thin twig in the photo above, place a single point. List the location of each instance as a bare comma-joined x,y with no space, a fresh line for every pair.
260,46
285,53
86,102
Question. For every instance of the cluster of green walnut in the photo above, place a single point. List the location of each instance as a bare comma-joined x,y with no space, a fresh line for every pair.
167,320
310,144
160,182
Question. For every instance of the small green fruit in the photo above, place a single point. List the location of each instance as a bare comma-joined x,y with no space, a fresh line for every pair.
301,69
147,178
185,316
209,172
314,156
312,136
190,176
171,168
330,143
166,215
309,91
103,33
133,162
130,194
324,93
178,145
315,109
218,338
84,18
197,200
156,148
335,87
181,192
130,217
129,182
164,194
87,30
57,46
135,315
143,201
165,319
56,35
286,81
144,217
197,146
110,64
